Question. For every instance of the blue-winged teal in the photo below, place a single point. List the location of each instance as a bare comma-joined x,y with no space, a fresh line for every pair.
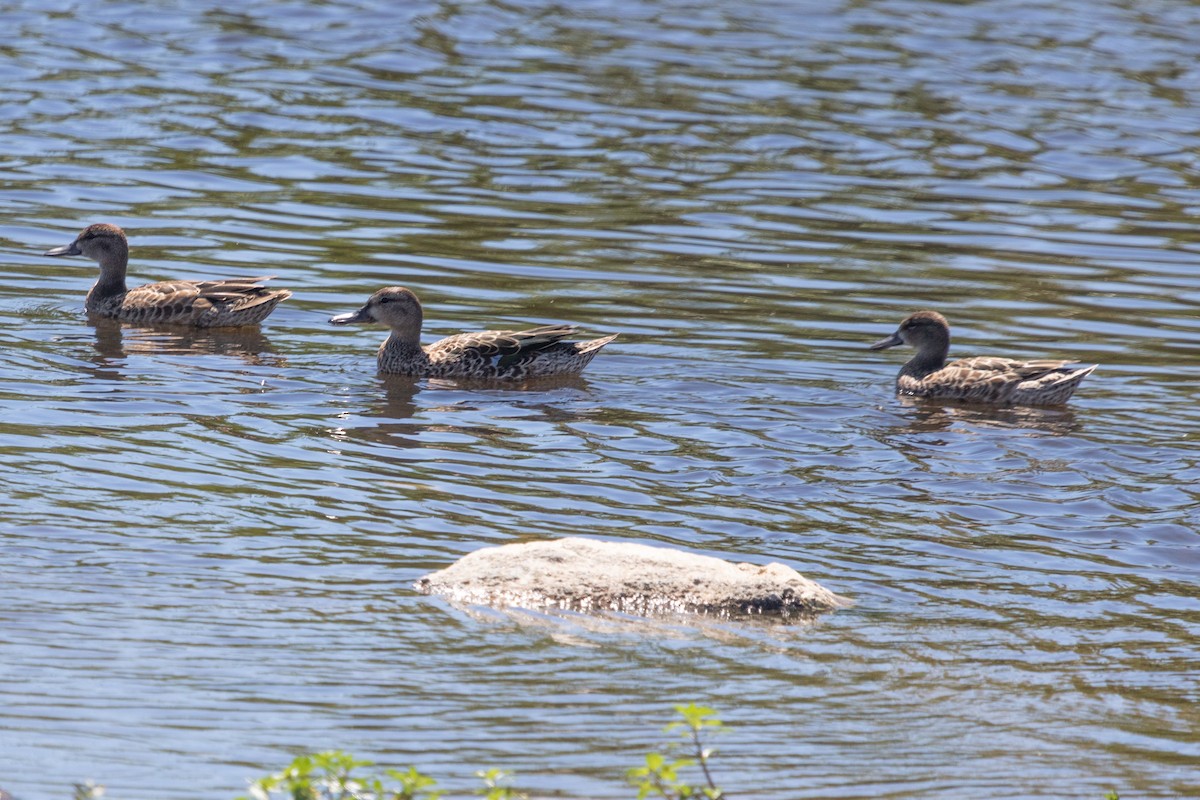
1002,381
203,304
510,355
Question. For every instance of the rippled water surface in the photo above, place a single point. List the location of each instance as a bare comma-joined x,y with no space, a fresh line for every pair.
209,538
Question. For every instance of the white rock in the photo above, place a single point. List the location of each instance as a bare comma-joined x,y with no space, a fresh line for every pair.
588,575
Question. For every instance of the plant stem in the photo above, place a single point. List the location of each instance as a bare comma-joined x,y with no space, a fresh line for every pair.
703,759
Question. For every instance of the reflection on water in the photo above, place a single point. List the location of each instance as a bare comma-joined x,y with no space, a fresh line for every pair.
926,416
210,537
116,341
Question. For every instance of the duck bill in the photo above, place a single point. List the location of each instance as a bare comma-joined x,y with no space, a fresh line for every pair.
890,341
354,317
71,249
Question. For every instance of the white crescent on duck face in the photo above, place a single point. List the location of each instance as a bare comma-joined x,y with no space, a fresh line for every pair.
502,355
993,380
203,304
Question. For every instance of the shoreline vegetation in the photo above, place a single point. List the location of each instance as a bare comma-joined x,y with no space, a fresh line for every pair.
330,775
338,775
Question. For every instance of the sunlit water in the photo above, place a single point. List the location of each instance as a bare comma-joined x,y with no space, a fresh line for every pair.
209,539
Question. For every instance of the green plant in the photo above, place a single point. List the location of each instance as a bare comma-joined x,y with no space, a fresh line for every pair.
494,788
413,785
88,790
328,776
661,775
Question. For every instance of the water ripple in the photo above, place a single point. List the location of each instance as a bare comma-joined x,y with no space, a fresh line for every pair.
210,537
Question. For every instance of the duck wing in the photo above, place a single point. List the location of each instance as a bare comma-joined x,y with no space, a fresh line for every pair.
505,346
240,293
230,293
1000,380
991,368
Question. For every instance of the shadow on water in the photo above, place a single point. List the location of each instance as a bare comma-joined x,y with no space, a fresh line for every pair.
925,416
395,416
595,629
116,341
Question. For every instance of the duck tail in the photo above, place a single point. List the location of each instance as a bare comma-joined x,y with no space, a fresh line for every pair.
592,345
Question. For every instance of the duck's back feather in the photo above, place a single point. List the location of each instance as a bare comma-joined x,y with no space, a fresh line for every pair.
533,353
211,303
509,345
988,379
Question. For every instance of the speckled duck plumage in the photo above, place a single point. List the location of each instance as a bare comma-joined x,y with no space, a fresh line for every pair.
201,304
502,355
997,381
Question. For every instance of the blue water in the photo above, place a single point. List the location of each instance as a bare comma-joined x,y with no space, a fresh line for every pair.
208,539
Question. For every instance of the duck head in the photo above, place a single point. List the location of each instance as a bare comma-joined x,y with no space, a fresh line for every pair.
100,242
927,331
396,307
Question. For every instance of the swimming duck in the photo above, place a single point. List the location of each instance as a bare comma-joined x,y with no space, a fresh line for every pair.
509,355
203,304
1002,381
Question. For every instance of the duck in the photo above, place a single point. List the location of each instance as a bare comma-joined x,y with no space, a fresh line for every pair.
502,355
202,304
992,380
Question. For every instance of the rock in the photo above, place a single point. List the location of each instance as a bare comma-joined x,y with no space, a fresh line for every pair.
589,575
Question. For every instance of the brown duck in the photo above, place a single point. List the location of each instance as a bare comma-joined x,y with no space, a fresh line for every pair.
202,304
999,381
505,355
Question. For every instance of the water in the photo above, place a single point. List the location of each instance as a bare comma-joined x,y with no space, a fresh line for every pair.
209,538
